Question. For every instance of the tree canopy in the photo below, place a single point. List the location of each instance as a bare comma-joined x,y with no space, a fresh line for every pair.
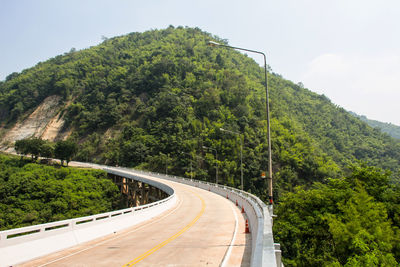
351,221
32,194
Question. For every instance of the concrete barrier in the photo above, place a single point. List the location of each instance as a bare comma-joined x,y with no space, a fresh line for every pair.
27,243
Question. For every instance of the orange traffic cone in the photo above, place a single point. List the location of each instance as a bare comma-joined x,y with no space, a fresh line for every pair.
236,203
227,196
242,209
247,230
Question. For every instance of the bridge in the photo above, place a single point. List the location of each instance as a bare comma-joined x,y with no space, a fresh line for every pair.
172,221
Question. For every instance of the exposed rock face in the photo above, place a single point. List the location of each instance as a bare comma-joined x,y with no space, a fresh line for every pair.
53,129
45,122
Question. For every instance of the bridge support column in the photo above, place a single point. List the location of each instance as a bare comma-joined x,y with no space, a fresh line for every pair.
143,192
147,193
136,193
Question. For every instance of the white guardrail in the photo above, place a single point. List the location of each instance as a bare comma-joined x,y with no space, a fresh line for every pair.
26,243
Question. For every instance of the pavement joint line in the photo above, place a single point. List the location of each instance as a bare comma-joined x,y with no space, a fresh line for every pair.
116,237
170,239
229,250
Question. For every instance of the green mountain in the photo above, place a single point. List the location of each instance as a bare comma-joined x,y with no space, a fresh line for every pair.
389,128
157,100
144,99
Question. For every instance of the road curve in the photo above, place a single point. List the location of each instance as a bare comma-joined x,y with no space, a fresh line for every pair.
203,229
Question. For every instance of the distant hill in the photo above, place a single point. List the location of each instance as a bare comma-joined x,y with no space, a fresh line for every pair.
145,99
389,128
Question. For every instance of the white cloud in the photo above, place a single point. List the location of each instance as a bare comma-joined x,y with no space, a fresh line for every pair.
368,85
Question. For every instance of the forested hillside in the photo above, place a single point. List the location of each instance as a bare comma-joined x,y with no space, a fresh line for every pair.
155,100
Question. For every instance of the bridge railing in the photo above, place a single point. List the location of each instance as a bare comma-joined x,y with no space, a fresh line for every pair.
26,243
264,251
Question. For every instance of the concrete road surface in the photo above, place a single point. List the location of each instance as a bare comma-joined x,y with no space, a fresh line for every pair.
203,229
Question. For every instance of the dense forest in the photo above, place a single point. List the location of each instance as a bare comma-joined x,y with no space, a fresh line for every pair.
31,193
156,100
350,221
389,128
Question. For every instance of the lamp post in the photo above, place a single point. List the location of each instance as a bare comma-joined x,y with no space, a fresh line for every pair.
214,44
241,155
216,162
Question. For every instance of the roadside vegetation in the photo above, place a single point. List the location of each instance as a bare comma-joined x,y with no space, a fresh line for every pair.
36,147
351,221
32,193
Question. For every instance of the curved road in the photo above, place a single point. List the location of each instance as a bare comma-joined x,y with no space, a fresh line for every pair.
203,229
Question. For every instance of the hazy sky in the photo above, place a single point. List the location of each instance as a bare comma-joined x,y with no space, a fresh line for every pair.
348,50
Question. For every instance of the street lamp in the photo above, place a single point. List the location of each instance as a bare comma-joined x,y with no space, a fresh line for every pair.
214,44
216,162
241,155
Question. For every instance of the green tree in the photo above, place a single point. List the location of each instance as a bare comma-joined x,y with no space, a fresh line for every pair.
21,147
375,180
34,147
47,150
339,223
361,233
65,150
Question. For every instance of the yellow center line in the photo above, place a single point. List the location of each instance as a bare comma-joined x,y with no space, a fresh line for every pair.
165,242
